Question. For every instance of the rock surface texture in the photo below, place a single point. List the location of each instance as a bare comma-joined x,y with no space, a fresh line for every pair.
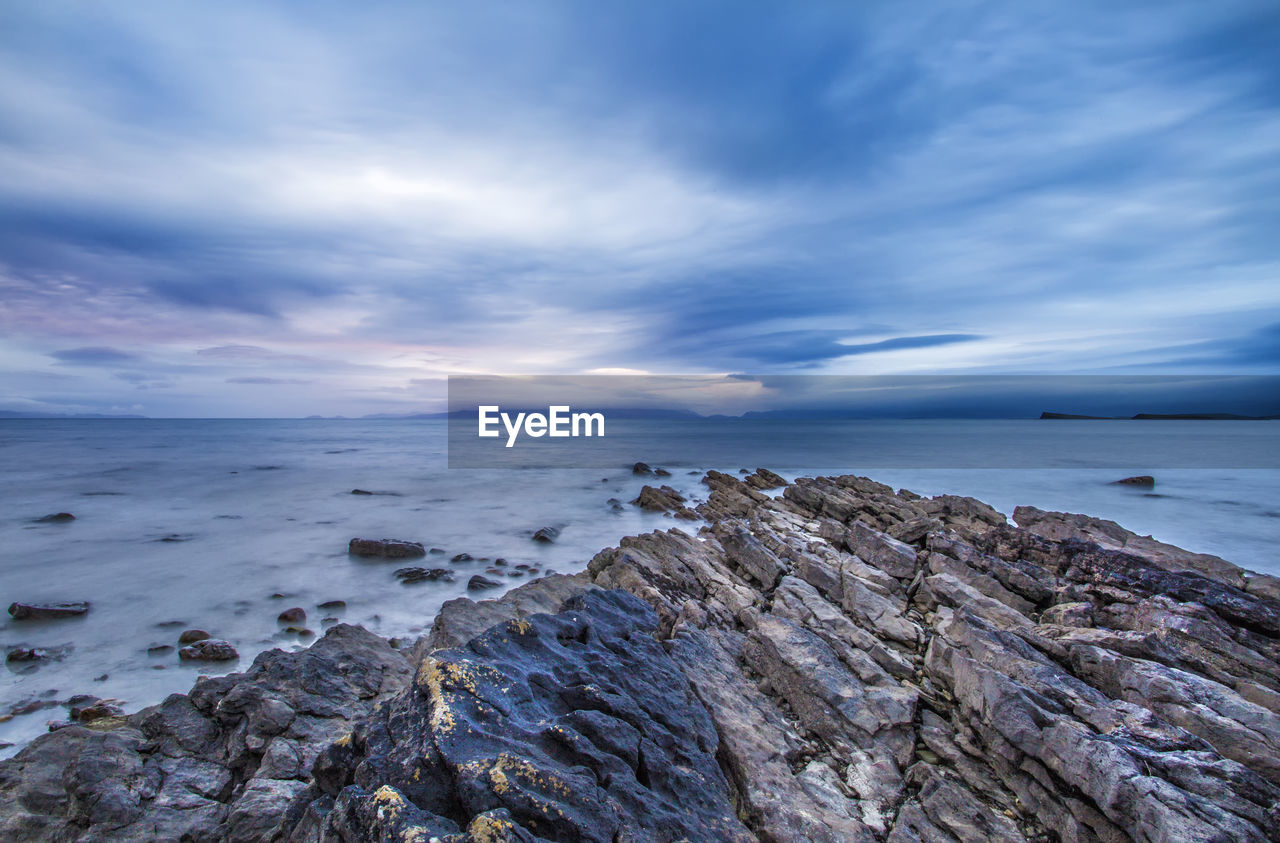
835,661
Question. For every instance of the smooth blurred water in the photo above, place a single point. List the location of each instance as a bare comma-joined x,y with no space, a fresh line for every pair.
259,507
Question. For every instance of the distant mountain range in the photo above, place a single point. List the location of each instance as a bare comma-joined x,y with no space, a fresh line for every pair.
666,414
22,414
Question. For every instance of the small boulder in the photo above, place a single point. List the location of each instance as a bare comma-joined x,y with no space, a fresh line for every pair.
641,470
462,557
295,615
47,611
330,605
546,535
480,583
191,636
56,518
360,492
209,650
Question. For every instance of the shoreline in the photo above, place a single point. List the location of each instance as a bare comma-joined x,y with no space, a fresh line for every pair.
815,664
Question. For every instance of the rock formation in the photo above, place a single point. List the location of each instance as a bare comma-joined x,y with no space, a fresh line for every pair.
837,662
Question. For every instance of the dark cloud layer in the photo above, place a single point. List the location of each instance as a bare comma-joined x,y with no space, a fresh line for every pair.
351,202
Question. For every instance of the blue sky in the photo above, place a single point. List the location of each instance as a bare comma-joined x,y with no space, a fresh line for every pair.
284,208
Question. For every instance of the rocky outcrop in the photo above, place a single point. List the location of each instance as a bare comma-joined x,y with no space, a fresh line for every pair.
574,726
1111,536
223,762
664,499
838,662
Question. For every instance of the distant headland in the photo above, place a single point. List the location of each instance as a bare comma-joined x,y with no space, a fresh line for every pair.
1165,417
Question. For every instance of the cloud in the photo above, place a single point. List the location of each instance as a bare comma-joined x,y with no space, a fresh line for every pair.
93,356
367,199
268,381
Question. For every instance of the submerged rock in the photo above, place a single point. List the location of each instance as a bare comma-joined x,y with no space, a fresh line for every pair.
56,518
546,535
1144,480
47,611
22,654
191,636
386,548
415,575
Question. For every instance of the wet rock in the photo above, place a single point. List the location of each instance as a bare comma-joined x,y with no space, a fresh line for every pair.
191,636
462,557
546,535
642,470
480,583
332,605
1143,480
360,492
661,472
617,748
209,650
294,615
461,619
55,518
160,649
386,548
47,611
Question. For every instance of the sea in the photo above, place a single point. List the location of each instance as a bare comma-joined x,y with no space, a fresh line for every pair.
222,524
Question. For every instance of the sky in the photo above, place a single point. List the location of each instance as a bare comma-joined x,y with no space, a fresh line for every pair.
286,209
